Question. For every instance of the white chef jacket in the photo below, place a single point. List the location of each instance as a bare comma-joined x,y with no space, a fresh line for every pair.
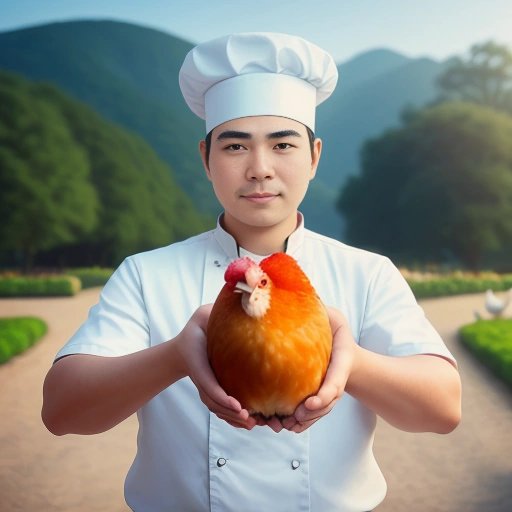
187,458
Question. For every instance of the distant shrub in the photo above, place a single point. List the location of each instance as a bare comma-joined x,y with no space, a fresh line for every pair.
91,277
19,333
491,342
39,286
457,283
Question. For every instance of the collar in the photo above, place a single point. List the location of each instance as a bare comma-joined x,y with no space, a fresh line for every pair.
230,247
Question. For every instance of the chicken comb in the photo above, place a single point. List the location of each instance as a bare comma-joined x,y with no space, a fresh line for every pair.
285,272
236,270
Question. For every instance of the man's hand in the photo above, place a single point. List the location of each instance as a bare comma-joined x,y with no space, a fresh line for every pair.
191,347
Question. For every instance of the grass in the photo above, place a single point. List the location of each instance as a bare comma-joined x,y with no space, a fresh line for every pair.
18,334
491,342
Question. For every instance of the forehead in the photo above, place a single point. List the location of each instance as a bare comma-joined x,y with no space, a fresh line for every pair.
260,125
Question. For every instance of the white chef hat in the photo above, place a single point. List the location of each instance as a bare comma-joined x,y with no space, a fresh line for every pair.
254,74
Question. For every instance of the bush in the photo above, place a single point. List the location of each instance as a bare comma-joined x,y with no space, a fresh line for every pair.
18,334
39,286
456,283
491,342
90,277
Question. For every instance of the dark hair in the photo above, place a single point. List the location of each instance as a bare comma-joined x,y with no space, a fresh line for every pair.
208,142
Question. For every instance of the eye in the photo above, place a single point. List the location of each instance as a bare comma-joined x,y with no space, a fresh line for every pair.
234,147
283,145
263,283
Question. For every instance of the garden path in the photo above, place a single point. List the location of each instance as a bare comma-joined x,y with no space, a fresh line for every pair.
469,470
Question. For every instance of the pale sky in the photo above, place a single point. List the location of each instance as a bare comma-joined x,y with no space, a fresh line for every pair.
434,28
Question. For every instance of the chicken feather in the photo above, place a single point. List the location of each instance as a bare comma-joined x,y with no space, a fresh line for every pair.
271,362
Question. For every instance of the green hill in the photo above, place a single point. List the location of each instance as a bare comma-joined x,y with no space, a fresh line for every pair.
373,90
126,73
129,74
77,185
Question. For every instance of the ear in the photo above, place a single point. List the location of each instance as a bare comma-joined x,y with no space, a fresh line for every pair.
202,152
317,151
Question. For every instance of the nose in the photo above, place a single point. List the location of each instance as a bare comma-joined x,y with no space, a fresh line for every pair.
260,167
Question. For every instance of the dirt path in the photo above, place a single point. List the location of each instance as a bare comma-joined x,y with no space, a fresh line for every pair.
41,472
468,471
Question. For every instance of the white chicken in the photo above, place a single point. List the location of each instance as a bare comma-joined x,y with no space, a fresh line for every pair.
495,305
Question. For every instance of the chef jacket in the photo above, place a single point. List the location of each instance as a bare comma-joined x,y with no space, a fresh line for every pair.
190,460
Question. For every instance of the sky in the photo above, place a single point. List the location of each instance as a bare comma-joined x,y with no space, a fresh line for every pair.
436,28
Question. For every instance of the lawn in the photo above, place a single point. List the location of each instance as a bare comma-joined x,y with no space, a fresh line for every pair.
491,342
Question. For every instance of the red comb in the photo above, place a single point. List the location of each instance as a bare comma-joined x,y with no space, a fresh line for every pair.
236,270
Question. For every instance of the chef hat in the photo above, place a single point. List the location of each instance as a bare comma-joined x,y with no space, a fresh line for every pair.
254,74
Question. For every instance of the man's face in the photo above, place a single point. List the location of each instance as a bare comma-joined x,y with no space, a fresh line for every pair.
260,168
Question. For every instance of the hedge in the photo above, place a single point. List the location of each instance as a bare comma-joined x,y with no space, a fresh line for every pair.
91,277
457,284
39,286
491,342
19,333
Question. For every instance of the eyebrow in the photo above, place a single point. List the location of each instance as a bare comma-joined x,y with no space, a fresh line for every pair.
233,134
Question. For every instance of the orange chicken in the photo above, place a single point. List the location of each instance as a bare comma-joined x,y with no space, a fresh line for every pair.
268,337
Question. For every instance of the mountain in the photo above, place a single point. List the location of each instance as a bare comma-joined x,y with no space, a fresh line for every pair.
364,106
129,74
373,90
126,73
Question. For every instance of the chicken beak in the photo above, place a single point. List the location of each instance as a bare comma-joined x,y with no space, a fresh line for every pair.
242,287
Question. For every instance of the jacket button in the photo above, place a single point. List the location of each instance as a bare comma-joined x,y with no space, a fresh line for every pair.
295,464
221,461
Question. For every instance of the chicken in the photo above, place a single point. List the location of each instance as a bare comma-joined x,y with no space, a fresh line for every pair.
268,337
494,305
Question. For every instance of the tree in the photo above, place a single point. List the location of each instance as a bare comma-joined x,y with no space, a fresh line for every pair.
483,77
78,190
441,184
140,204
45,196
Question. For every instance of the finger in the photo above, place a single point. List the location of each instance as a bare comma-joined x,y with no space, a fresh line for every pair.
334,382
275,424
203,315
289,422
208,386
247,423
301,427
214,397
325,397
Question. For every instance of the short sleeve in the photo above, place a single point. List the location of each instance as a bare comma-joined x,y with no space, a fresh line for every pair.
118,324
394,324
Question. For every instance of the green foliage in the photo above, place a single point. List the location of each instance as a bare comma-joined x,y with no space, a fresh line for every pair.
78,187
128,74
483,77
141,206
45,195
440,186
39,286
19,333
91,277
491,342
457,283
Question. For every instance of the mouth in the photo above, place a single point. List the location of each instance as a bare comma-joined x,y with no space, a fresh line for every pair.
263,197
